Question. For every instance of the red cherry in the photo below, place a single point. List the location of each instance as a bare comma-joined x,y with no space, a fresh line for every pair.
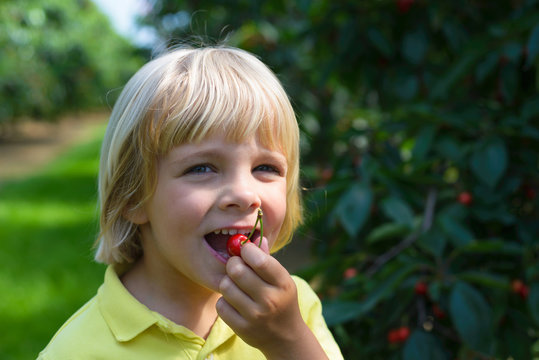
438,312
524,292
517,285
403,333
350,273
234,244
529,192
465,198
404,5
393,336
421,288
327,174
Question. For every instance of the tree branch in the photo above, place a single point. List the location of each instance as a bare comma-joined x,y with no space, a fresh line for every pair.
428,218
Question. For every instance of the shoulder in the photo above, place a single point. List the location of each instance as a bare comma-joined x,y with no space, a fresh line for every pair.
311,311
309,303
78,335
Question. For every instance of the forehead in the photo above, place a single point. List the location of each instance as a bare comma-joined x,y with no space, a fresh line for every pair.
219,147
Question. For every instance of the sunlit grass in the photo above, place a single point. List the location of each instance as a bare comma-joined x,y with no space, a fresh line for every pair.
48,223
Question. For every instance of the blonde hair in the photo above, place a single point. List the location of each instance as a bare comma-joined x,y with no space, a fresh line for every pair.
182,97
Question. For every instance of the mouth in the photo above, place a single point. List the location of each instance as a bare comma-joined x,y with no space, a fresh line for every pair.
217,241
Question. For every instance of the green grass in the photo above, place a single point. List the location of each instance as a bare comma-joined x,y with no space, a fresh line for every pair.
48,223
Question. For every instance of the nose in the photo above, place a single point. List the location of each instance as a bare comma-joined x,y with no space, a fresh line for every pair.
240,192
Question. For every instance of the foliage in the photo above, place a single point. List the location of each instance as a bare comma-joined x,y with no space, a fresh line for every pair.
56,56
47,226
420,122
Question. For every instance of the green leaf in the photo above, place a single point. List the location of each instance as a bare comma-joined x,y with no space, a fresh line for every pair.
454,34
415,46
533,46
533,302
517,345
493,246
530,109
423,143
388,231
422,345
380,42
509,82
449,148
398,210
406,86
388,285
459,235
353,208
433,241
338,312
442,86
485,279
471,316
486,67
489,161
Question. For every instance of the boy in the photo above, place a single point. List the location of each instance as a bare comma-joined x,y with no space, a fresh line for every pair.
198,142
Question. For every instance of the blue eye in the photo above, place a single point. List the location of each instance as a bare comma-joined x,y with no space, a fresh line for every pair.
267,168
199,169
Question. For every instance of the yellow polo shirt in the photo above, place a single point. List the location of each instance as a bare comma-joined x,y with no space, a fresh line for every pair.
114,325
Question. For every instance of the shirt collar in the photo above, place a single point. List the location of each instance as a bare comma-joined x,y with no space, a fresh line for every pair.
125,315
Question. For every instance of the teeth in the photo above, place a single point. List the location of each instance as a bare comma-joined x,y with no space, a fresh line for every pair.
230,231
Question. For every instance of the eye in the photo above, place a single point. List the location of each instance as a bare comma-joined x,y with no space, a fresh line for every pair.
199,169
268,168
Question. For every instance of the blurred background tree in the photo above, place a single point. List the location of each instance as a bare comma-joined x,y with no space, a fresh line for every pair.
58,56
420,154
420,158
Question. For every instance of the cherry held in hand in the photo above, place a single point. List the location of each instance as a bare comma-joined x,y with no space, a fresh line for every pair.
235,242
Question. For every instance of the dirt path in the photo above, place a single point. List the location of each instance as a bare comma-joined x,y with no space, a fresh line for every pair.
35,143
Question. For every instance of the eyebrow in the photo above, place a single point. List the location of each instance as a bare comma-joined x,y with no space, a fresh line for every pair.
217,153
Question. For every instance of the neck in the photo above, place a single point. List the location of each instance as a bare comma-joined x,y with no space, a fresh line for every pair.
174,296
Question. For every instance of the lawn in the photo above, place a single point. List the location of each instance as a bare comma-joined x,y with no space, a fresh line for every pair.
48,223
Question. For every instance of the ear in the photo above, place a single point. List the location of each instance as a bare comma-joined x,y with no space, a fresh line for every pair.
137,215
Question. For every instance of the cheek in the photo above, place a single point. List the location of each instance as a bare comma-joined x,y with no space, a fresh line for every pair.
276,208
180,206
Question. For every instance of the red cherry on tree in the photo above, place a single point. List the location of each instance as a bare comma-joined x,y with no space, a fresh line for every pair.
404,5
520,288
465,198
524,292
404,333
393,336
398,335
438,312
421,288
234,244
529,192
350,273
517,285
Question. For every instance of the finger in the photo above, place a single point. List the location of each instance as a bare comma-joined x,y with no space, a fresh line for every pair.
246,279
229,314
264,265
234,296
262,243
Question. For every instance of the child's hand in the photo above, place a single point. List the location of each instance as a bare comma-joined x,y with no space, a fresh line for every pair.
260,304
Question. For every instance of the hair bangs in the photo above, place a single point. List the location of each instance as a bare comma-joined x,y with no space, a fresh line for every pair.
209,96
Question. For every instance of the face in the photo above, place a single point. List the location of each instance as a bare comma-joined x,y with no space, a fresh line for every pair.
203,192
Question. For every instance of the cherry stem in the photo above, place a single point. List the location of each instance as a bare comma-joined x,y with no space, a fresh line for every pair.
260,214
258,219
